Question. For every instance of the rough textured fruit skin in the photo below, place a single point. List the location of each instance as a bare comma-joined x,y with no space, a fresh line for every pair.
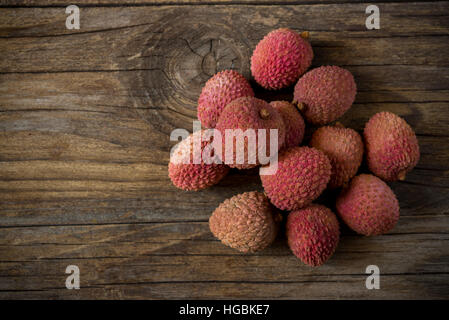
280,58
245,222
368,206
301,177
246,113
191,176
294,123
392,148
218,91
313,234
344,148
326,93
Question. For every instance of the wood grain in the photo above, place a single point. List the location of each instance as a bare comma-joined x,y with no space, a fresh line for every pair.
85,119
117,3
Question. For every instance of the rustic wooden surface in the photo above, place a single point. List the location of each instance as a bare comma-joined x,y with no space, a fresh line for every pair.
85,118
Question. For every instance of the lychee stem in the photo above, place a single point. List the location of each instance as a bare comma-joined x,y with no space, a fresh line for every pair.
401,175
301,106
339,124
264,113
305,34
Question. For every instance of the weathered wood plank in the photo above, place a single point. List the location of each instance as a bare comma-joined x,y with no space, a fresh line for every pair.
349,287
193,238
99,98
171,31
161,256
74,208
120,3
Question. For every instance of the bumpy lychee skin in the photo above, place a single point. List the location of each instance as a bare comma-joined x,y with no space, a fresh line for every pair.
301,176
313,234
248,113
280,58
245,222
294,123
325,94
392,148
218,91
344,148
368,206
186,172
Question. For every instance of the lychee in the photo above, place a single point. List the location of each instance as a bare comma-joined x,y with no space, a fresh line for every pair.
245,222
368,206
301,176
189,174
392,148
343,147
325,94
294,123
241,124
313,234
280,58
218,91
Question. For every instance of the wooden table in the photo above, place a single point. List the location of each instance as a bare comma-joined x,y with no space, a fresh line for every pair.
85,119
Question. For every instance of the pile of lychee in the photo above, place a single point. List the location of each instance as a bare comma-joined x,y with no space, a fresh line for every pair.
249,222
